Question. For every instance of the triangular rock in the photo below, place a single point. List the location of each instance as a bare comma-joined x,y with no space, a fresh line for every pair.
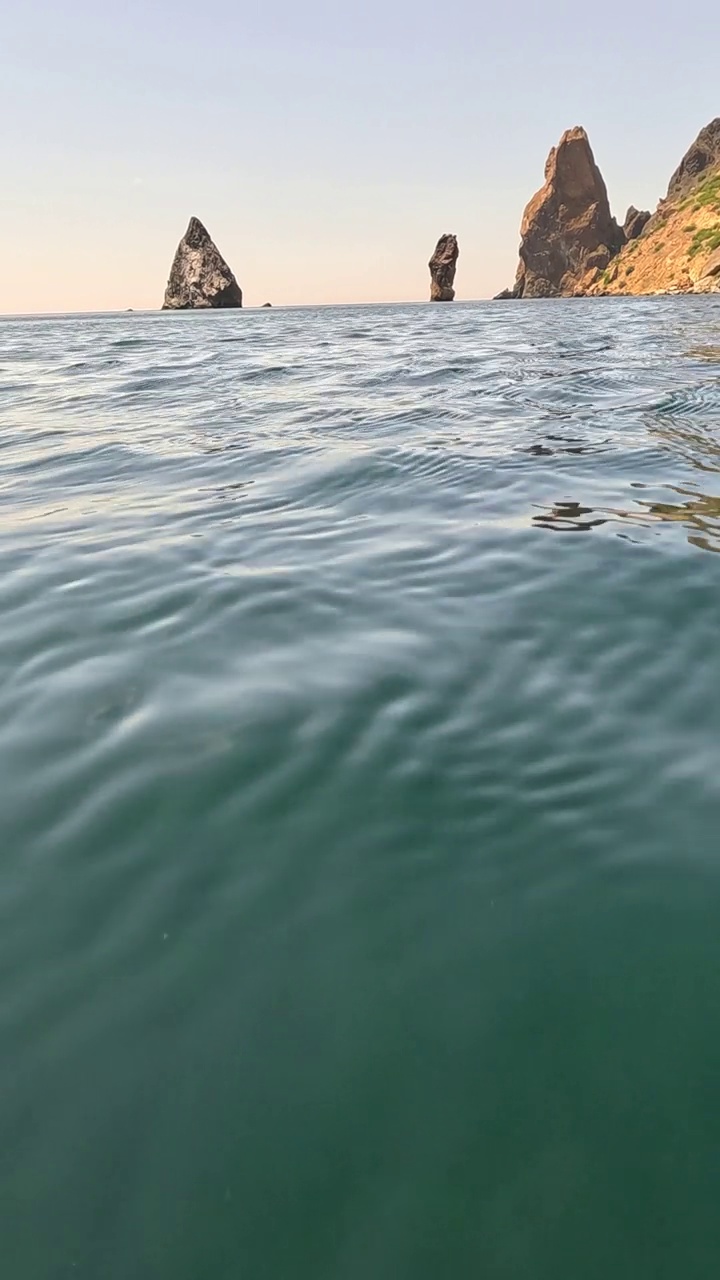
200,277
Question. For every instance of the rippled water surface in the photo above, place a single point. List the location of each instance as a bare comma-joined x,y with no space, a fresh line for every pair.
360,794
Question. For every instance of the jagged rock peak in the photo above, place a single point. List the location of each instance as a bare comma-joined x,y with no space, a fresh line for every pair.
200,277
567,228
635,222
442,266
703,154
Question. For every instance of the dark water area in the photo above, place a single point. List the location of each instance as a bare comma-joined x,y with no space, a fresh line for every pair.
360,793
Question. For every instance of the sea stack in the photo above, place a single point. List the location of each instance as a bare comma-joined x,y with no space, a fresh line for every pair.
567,229
200,277
442,269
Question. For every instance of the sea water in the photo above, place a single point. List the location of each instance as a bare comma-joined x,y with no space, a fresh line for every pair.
360,793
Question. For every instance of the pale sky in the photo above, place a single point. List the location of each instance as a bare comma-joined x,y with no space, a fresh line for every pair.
326,147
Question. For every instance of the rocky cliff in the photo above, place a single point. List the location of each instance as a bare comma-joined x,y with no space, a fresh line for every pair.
704,155
567,228
200,277
442,269
678,249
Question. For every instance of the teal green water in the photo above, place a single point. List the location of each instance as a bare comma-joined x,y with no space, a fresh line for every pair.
360,794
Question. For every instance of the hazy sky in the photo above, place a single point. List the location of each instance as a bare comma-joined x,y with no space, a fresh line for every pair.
325,146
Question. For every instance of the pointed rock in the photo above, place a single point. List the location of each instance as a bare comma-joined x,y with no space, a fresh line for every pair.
442,269
567,228
703,154
635,222
200,277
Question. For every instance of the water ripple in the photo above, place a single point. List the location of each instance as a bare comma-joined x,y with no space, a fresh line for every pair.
359,875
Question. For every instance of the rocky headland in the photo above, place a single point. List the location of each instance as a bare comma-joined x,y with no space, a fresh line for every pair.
572,246
200,277
678,248
443,265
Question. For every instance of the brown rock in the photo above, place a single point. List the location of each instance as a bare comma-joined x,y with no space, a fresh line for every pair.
442,269
703,154
567,229
676,250
635,222
200,277
712,266
706,279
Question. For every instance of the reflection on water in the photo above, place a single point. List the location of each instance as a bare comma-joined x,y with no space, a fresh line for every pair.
685,423
700,513
710,353
569,517
563,444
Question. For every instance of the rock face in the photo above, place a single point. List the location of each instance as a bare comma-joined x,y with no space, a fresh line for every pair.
711,267
703,154
567,229
635,223
679,248
200,277
442,269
